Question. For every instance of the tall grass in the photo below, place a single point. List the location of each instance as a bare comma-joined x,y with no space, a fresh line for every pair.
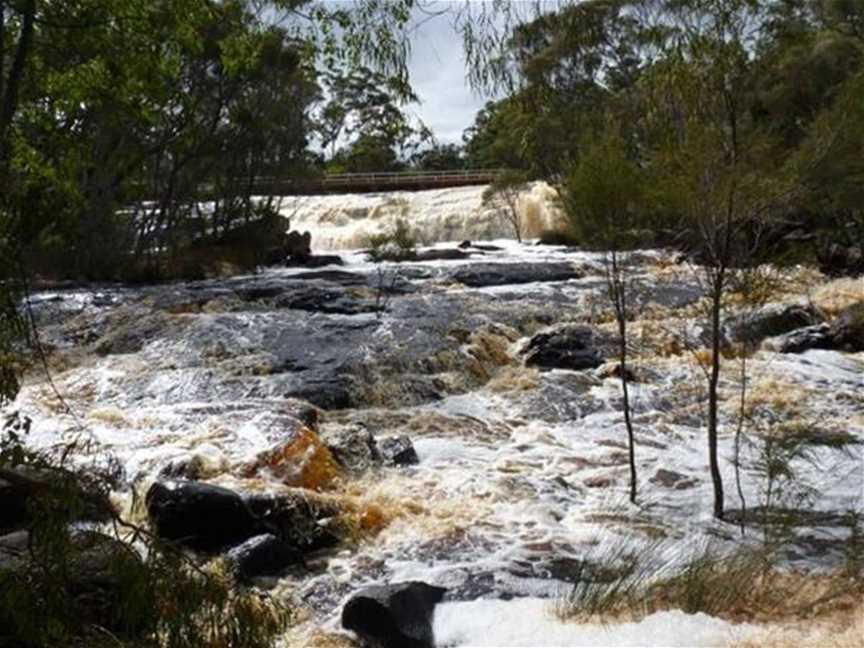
745,585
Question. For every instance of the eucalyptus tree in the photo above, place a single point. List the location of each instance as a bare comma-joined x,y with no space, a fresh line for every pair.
603,197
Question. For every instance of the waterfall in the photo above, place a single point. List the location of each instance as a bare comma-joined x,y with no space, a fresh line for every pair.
346,221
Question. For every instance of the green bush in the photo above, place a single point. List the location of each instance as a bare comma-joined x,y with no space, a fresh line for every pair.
113,584
399,244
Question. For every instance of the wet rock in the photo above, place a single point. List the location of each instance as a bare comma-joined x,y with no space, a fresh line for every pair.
263,555
192,469
845,333
672,479
132,330
770,321
314,261
324,299
398,451
301,460
810,337
599,482
304,522
441,255
354,447
394,616
341,277
478,275
563,347
200,516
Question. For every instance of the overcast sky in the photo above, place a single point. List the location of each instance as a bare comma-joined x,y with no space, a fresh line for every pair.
438,76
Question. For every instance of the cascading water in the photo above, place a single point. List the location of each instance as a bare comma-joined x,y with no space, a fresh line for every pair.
346,221
522,473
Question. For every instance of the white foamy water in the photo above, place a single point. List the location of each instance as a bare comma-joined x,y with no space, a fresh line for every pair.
531,622
346,221
512,486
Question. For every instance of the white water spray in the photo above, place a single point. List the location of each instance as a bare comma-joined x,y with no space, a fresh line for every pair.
346,221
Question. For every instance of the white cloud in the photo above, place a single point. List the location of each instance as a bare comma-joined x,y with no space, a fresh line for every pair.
438,75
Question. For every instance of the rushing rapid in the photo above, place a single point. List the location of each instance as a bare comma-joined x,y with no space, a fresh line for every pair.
522,471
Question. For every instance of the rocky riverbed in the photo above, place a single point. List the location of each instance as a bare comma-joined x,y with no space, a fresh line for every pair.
453,421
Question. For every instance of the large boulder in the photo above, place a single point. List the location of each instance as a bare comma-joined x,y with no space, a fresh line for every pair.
394,616
769,321
809,337
299,518
200,516
209,518
262,555
563,347
845,333
478,275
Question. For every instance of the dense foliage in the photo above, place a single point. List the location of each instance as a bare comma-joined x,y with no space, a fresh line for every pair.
761,99
118,118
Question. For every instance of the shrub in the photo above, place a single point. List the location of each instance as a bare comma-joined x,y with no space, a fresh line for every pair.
398,244
117,585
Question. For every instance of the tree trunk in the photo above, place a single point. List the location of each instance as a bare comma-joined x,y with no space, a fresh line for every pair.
618,295
713,385
12,86
631,442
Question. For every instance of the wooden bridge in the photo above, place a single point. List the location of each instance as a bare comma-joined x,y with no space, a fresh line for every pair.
374,182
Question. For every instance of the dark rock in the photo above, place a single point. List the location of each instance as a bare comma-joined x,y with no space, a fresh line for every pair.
847,331
322,299
354,448
340,277
672,479
810,337
464,245
314,261
563,347
190,469
770,321
199,516
398,451
263,555
302,522
479,275
394,616
441,255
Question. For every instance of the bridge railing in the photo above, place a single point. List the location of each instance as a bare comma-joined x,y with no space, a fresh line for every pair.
384,179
